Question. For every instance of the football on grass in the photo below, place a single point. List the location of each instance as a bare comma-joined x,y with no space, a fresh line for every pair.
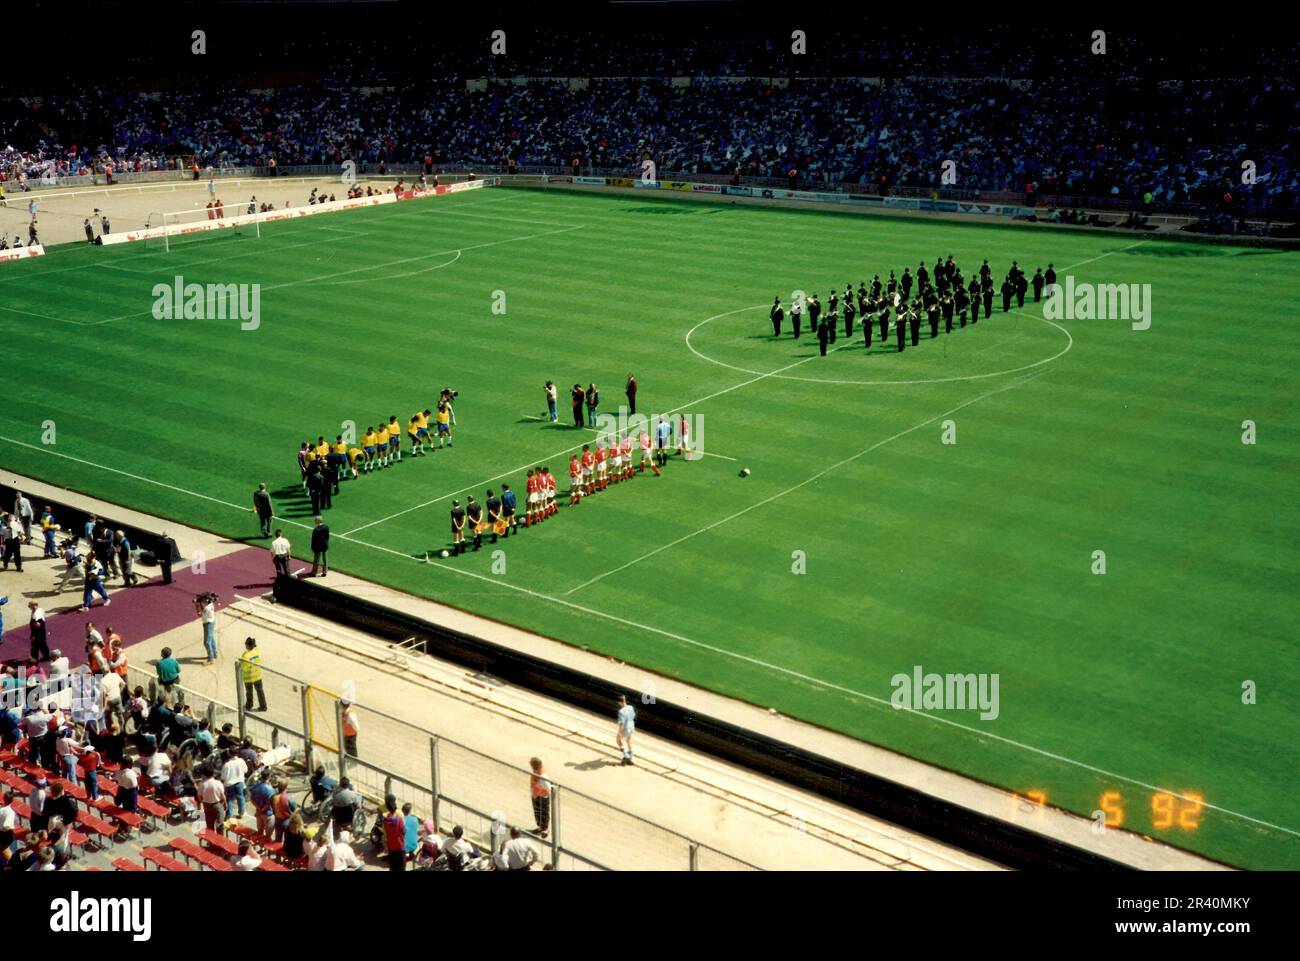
744,472
444,553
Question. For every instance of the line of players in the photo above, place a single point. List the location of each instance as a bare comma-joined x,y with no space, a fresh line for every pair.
378,447
591,470
943,292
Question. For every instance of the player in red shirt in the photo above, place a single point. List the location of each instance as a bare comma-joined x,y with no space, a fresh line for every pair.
588,470
647,455
615,458
575,480
533,498
625,448
683,436
601,467
551,506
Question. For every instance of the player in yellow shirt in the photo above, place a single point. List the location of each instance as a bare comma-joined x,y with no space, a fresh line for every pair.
369,441
355,454
395,439
422,429
413,432
443,420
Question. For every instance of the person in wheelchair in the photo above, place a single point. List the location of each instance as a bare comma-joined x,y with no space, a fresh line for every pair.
345,802
322,785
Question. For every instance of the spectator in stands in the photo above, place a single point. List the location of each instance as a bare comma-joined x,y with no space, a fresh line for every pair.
345,804
516,854
111,744
60,808
412,830
260,796
233,773
459,851
169,670
212,795
394,835
37,798
158,768
203,737
295,837
137,709
8,821
283,808
246,860
128,788
226,740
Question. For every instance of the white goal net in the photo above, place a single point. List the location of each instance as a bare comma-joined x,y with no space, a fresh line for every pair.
242,219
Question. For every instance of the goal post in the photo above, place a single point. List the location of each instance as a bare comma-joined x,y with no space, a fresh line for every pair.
241,219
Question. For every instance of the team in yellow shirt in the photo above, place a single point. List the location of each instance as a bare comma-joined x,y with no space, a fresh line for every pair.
379,446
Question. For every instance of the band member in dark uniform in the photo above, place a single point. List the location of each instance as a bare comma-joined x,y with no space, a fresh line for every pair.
1021,286
832,322
823,335
457,528
1038,282
1008,288
914,321
962,301
906,283
922,276
875,287
867,324
985,270
777,315
974,300
862,298
1050,277
988,298
474,517
946,305
834,303
891,288
796,318
814,314
932,311
849,313
884,320
900,325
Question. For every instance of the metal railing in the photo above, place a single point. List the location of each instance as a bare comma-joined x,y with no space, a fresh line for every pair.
443,779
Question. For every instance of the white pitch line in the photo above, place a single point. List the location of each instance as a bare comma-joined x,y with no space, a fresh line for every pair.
641,625
386,277
357,270
757,662
804,483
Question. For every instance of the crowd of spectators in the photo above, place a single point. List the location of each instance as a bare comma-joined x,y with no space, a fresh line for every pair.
1039,121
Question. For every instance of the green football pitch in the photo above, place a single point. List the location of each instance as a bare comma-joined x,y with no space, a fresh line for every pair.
1162,691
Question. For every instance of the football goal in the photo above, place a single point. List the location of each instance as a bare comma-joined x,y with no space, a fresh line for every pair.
242,219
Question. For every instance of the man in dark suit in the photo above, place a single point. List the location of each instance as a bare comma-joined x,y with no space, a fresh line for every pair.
631,393
320,546
777,316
